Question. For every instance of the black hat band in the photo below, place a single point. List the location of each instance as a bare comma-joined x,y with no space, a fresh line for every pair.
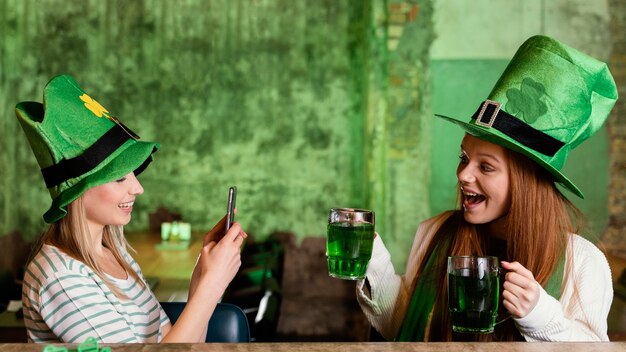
67,169
490,115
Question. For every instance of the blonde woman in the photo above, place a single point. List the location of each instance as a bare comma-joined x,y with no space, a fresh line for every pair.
82,281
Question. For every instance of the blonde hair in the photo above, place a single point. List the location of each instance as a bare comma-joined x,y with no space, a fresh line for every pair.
538,225
71,235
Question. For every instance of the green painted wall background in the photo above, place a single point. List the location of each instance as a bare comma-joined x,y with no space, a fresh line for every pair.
238,95
302,105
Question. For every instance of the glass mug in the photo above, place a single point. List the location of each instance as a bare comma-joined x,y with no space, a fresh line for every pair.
473,293
349,243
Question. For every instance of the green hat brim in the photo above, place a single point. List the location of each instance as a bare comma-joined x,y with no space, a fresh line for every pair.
134,156
496,137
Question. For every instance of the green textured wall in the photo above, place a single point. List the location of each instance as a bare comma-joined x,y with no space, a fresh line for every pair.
303,105
400,117
256,94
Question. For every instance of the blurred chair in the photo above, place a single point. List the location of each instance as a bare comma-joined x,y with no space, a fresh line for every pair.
257,287
227,324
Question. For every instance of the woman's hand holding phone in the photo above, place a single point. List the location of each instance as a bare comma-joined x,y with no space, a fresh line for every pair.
217,265
220,256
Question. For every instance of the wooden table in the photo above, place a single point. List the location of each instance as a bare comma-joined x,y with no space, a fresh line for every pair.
12,328
360,347
172,267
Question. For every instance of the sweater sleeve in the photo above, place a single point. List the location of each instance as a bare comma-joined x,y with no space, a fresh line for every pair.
386,300
379,300
582,311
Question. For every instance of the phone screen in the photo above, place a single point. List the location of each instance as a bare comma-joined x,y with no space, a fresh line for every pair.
230,210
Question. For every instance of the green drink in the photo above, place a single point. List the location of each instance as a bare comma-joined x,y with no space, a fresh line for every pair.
349,244
473,294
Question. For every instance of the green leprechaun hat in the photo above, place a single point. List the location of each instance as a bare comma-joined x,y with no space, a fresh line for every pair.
78,144
549,99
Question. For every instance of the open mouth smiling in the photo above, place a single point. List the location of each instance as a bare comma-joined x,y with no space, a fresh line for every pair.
127,205
471,198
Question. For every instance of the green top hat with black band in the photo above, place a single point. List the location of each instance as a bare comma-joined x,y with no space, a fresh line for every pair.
549,99
78,144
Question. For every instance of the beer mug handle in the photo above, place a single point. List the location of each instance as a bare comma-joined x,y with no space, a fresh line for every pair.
501,274
508,315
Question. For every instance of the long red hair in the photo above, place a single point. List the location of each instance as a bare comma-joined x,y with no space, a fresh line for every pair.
538,224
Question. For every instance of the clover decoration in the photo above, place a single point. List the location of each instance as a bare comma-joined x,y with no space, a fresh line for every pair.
94,106
100,111
526,102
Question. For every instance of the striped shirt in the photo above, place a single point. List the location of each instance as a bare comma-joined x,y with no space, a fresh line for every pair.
65,301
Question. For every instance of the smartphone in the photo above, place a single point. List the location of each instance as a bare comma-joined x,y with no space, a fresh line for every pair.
230,210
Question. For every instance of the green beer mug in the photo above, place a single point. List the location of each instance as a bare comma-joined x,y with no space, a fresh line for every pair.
473,293
349,242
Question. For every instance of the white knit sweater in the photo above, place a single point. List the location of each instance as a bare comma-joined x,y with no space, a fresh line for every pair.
579,315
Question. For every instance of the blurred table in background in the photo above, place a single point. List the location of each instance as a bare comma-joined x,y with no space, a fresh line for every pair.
12,327
168,271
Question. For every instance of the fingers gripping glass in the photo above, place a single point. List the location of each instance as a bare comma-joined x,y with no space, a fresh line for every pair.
230,210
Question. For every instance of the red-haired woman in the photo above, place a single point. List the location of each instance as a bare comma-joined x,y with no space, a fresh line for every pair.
557,285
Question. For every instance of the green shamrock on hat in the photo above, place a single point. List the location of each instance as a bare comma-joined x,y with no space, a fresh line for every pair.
94,106
526,102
